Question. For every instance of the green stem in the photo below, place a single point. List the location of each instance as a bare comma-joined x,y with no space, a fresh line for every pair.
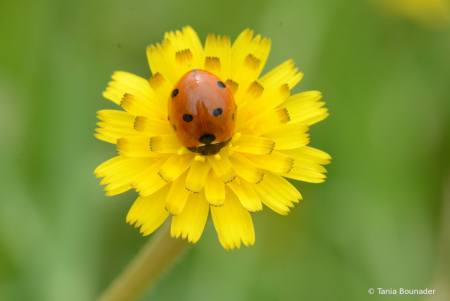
156,257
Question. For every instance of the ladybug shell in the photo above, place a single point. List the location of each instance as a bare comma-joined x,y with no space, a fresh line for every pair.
202,111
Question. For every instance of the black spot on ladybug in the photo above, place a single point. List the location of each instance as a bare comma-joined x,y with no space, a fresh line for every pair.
232,116
207,139
168,118
235,106
187,117
220,84
174,127
174,93
217,112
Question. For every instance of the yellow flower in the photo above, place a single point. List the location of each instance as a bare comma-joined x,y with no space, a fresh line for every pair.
269,141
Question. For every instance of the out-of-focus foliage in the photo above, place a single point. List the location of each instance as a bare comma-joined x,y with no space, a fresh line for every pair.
432,13
378,220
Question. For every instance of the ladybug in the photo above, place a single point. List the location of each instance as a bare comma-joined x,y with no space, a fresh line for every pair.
202,112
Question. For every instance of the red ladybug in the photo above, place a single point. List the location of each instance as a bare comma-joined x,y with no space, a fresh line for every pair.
202,112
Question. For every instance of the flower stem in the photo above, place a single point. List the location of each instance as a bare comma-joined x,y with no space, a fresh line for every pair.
155,257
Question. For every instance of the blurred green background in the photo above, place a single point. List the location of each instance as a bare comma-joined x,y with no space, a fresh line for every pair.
381,220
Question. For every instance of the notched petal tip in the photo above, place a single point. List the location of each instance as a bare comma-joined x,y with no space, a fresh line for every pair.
262,177
273,147
222,167
162,177
183,56
231,180
285,89
157,81
212,64
252,62
135,121
255,89
233,86
171,212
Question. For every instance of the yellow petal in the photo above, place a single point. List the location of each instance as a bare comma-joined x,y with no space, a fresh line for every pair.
316,117
212,64
141,205
162,88
168,144
254,145
149,181
246,169
308,154
250,94
134,84
239,49
114,189
282,186
214,189
289,136
276,162
187,39
261,49
152,126
247,196
176,199
109,135
190,36
270,99
244,45
219,48
310,166
264,123
142,107
145,214
149,212
120,171
305,108
303,100
222,166
248,72
106,167
285,73
161,59
197,175
233,86
116,117
124,82
191,221
115,125
246,101
114,94
302,173
136,146
184,61
175,166
271,199
274,190
233,223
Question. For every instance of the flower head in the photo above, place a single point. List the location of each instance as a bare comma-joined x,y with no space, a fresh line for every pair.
229,166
